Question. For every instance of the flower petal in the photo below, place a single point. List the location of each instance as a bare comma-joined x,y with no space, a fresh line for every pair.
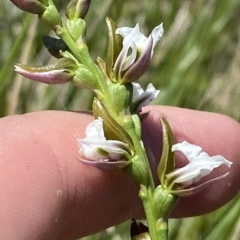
95,147
140,66
193,190
200,164
189,150
106,164
95,129
138,38
157,33
143,98
127,44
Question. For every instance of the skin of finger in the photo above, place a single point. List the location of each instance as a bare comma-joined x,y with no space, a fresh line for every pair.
44,184
46,192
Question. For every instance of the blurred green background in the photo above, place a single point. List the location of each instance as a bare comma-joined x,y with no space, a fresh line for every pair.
196,65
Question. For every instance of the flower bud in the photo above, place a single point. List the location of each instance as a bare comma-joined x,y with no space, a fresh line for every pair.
60,72
77,8
31,6
121,96
163,202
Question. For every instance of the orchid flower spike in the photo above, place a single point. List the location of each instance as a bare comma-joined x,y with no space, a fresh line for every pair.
200,165
137,50
100,152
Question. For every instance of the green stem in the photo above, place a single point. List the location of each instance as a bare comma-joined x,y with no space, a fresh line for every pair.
158,229
80,51
146,197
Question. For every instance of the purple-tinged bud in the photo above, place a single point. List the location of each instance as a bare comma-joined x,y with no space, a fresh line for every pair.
31,6
60,72
45,9
77,8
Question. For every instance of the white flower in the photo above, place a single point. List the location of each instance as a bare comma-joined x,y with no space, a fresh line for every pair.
134,58
142,98
100,152
200,164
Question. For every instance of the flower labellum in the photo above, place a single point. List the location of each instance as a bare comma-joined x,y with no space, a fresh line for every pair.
136,53
200,165
142,98
100,152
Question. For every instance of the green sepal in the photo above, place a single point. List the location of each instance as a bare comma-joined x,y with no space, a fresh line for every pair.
114,45
84,78
163,202
51,15
112,129
167,161
121,97
76,27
